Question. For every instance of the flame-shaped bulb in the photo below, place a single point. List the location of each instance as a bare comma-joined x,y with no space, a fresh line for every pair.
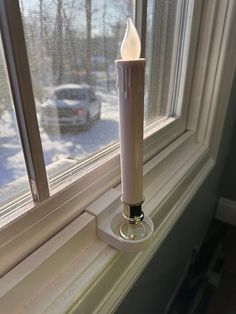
131,46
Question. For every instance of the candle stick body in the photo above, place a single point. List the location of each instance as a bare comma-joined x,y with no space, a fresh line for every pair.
130,81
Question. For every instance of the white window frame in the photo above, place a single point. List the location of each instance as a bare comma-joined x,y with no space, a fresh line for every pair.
90,179
83,264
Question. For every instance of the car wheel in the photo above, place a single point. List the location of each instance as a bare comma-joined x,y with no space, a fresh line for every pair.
87,124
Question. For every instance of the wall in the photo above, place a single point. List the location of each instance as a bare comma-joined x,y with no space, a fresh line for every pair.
228,182
156,285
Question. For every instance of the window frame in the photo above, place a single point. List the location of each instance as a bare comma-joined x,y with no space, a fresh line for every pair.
196,149
105,166
18,65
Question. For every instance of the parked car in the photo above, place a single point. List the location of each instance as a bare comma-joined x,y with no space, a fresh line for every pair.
70,105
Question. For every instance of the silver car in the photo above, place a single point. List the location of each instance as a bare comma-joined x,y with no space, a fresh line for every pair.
70,105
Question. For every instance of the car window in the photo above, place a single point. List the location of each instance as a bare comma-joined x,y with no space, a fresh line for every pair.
71,94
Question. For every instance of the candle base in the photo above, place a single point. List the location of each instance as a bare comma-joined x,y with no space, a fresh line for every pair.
133,228
130,231
114,228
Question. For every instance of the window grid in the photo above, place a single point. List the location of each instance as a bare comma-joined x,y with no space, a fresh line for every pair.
18,67
22,92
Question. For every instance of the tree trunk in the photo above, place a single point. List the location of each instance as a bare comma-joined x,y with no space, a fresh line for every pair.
105,52
57,55
71,47
88,6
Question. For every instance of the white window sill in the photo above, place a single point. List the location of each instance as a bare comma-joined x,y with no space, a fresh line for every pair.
77,272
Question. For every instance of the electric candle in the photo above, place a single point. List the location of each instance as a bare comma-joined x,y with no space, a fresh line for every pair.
130,82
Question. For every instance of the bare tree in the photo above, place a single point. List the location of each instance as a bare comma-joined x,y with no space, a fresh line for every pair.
58,51
88,10
44,25
105,48
71,41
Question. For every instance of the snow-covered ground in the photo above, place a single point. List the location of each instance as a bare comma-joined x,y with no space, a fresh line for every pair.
58,146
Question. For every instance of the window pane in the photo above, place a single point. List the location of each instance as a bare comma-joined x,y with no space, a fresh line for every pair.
71,47
165,40
13,178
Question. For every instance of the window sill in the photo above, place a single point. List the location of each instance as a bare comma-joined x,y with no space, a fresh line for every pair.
70,271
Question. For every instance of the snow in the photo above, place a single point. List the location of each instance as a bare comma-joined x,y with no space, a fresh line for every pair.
56,145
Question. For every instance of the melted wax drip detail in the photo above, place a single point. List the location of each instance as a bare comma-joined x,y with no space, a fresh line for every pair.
126,83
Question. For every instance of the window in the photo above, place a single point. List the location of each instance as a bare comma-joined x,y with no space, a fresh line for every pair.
188,50
71,48
68,118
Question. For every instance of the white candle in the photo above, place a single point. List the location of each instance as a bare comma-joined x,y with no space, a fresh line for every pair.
130,81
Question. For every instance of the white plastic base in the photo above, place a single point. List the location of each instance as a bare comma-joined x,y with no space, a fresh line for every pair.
109,220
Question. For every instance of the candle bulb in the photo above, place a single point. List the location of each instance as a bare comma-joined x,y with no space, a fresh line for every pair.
130,82
131,46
